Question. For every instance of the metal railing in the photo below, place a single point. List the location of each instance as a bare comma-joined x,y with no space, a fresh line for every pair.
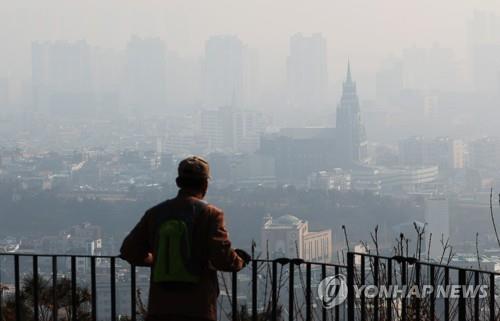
457,293
290,274
70,274
266,278
76,287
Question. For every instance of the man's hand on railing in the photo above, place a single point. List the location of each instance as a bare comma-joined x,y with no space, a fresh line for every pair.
149,260
243,255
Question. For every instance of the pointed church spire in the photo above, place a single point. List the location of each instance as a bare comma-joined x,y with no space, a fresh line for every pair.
348,77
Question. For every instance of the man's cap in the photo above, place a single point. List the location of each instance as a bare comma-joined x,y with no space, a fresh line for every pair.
194,167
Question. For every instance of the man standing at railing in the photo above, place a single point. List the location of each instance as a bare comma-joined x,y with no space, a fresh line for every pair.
185,242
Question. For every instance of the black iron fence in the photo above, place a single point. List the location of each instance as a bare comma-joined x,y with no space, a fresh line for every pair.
92,288
400,288
81,287
298,279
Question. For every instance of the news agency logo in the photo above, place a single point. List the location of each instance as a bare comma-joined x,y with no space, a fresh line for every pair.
332,291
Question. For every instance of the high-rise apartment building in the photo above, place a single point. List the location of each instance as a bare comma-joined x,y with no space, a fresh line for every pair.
299,152
431,68
411,151
230,72
307,74
145,69
483,32
61,76
442,151
485,153
389,82
228,129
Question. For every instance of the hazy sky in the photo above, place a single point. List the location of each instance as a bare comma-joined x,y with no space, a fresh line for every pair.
365,30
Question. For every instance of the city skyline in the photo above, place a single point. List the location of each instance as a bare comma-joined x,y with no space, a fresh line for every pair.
111,121
295,151
476,27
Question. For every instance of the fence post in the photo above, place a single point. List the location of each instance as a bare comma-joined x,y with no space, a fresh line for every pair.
55,308
112,275
1,288
133,292
433,294
308,292
274,300
492,297
17,285
461,299
254,290
323,309
93,288
362,299
388,300
291,284
446,299
350,286
404,281
74,311
234,296
418,301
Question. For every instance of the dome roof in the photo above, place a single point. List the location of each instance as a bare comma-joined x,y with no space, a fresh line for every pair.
287,220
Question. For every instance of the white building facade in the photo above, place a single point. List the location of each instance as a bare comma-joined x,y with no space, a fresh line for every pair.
288,236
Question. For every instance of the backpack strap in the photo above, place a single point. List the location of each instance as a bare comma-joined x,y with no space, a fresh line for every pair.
198,207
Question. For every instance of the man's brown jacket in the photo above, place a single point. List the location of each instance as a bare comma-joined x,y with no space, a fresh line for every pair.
211,246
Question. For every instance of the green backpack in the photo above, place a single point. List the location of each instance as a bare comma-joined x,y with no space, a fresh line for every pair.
174,262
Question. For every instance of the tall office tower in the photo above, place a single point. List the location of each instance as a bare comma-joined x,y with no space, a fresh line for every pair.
107,69
307,75
485,153
183,80
442,69
414,68
445,152
389,82
484,50
229,73
429,68
61,76
351,134
145,68
107,80
411,151
233,130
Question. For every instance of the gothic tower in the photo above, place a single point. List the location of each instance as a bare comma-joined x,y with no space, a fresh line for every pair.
351,135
